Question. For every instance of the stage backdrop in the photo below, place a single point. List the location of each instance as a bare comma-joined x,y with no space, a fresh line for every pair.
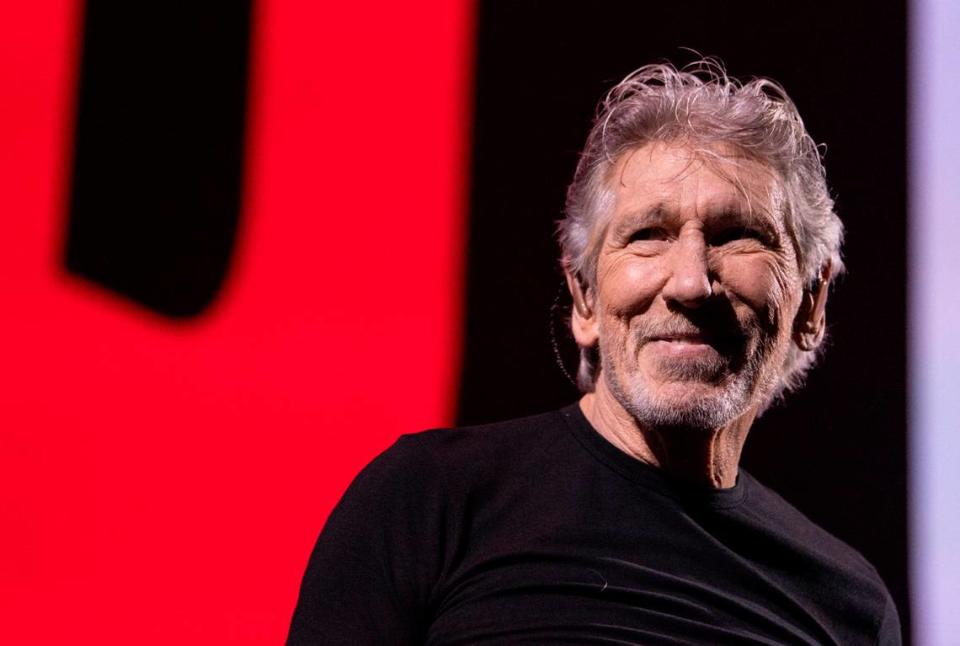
232,257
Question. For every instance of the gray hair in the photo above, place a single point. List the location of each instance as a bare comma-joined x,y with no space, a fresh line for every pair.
700,104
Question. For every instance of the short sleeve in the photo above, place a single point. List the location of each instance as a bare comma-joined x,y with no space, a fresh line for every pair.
369,577
890,632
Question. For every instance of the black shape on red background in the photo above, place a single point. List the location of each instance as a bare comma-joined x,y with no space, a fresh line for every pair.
159,150
836,449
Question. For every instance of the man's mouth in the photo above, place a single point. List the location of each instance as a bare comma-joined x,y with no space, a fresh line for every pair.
687,346
692,343
683,338
693,337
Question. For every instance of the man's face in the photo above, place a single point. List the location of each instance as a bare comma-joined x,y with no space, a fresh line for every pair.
697,286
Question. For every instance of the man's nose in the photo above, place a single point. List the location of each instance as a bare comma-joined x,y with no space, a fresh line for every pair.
689,281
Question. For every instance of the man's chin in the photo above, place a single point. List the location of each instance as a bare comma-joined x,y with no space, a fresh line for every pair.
688,403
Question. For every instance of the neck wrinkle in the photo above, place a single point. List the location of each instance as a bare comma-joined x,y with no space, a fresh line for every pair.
708,457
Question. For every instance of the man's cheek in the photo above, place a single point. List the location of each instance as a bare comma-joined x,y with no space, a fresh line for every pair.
631,283
756,281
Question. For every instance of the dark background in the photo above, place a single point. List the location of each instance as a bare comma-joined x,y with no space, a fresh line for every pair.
836,449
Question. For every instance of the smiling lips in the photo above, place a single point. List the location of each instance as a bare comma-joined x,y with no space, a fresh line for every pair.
689,345
682,339
693,345
693,338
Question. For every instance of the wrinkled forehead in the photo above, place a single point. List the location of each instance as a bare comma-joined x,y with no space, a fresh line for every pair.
698,180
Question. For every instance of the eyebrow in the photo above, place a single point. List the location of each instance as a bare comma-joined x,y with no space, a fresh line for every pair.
751,218
656,214
662,213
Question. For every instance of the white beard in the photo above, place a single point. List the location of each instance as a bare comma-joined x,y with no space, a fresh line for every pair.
708,409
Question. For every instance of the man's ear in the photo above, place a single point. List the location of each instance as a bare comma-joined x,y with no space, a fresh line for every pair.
583,317
811,322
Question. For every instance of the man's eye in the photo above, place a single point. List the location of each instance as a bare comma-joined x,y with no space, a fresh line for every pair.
649,233
738,233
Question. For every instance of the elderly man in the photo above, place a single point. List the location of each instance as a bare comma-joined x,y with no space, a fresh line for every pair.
698,245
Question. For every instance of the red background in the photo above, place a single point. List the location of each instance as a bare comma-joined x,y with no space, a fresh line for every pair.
163,482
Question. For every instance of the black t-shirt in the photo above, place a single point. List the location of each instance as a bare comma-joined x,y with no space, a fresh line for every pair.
539,531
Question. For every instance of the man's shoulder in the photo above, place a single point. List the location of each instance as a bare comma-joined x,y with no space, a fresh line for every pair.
504,437
839,569
783,518
476,455
444,459
438,471
494,443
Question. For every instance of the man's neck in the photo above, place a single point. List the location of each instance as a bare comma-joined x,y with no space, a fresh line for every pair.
707,456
